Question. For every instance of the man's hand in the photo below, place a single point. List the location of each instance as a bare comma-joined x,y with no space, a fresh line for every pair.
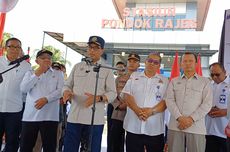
184,122
217,112
40,103
138,112
44,65
122,104
89,100
67,95
146,113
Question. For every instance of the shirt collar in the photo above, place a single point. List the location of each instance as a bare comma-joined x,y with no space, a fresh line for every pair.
226,80
6,59
51,69
196,76
155,76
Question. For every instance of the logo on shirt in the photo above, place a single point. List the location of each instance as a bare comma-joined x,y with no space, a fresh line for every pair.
222,98
158,94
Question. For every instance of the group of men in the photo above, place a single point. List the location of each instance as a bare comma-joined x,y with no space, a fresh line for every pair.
197,107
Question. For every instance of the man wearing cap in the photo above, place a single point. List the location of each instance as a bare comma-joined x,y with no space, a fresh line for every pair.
144,94
43,87
117,130
80,88
11,103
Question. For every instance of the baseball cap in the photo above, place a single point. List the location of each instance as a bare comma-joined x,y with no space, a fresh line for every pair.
42,52
56,65
97,40
134,56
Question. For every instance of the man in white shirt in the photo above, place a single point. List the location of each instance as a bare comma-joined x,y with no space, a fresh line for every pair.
216,120
189,99
144,121
43,87
80,86
11,103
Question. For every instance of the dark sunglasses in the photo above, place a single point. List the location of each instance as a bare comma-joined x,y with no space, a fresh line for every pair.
215,74
156,62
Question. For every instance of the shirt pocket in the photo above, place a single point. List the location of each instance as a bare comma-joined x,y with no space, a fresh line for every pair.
196,95
179,91
19,74
79,77
52,83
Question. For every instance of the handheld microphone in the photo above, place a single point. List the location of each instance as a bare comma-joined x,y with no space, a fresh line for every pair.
25,57
87,71
88,60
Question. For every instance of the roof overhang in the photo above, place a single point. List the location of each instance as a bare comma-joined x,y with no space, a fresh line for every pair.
118,48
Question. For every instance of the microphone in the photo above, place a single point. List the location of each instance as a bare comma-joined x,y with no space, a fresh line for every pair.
87,60
87,71
25,57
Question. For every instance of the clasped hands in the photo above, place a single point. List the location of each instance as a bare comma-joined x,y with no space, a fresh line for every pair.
217,112
144,113
184,122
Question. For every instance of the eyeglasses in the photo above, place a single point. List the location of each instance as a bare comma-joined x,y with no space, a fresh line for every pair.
95,48
14,47
215,74
155,62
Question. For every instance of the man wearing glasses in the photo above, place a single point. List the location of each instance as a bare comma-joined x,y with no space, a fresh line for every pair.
11,103
144,94
216,120
189,99
80,88
43,87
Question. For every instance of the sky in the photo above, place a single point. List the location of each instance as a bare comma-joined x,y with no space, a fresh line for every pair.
78,20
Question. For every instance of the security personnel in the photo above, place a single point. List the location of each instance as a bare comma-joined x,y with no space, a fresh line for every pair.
144,121
80,86
117,131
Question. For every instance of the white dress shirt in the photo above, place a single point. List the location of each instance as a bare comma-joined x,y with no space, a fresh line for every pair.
215,126
47,85
147,92
82,80
10,94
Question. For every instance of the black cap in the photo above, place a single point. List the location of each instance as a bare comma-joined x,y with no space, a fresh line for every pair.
42,52
134,56
97,40
56,64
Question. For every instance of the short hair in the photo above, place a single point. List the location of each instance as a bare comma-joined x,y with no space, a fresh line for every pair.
190,53
12,39
218,64
155,53
120,62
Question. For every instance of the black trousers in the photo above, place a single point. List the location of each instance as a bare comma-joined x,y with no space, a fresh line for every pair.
10,124
117,136
215,144
137,142
228,144
48,130
109,124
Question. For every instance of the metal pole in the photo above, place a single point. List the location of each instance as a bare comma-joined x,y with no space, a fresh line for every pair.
43,40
